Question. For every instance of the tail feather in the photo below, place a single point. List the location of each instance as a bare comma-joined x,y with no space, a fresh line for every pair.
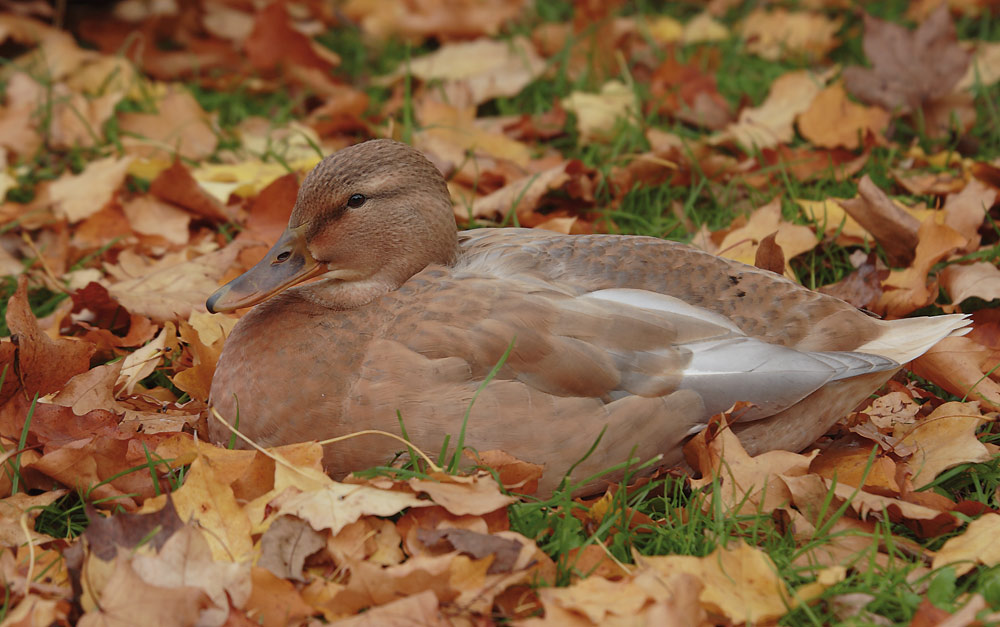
905,340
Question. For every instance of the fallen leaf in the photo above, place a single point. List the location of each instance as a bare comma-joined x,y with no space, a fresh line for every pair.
740,581
976,545
275,601
907,290
944,439
176,185
336,505
794,239
746,484
79,196
967,210
474,72
126,599
834,121
181,127
649,598
213,505
184,561
891,227
963,367
172,291
913,70
780,33
597,114
772,122
273,42
975,280
149,216
43,365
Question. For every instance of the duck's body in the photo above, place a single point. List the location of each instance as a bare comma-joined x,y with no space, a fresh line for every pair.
646,337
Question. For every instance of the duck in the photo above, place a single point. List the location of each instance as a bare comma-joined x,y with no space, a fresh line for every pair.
577,352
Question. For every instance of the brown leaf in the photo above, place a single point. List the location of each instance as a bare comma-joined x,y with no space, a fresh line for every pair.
771,123
515,475
861,288
176,185
106,534
780,33
126,599
975,280
911,68
285,546
977,545
171,291
944,439
416,609
43,365
769,255
157,219
79,196
834,121
966,211
746,484
275,601
960,365
274,42
473,72
180,128
891,227
478,545
741,244
907,290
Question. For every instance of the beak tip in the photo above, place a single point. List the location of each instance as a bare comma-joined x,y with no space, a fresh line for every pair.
210,303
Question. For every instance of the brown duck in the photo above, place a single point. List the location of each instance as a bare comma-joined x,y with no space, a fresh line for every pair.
646,337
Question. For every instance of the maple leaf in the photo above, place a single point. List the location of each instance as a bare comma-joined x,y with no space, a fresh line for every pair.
43,365
913,70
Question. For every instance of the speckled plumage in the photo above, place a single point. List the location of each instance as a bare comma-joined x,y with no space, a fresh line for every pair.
425,317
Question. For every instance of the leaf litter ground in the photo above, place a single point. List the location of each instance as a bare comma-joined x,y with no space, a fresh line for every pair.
150,151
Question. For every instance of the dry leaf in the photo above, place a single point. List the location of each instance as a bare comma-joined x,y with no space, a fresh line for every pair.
907,290
79,196
44,364
171,292
977,545
780,33
834,121
794,239
960,365
597,114
740,582
944,439
975,280
180,128
477,71
771,123
891,227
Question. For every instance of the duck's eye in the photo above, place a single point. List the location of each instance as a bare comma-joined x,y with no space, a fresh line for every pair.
356,200
283,256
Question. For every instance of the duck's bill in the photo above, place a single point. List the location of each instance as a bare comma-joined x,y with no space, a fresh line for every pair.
287,263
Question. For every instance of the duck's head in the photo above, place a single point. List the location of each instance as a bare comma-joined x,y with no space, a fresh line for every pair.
375,213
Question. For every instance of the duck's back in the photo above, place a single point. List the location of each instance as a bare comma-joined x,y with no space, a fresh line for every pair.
761,303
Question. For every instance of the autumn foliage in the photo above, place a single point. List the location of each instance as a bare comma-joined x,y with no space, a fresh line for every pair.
129,194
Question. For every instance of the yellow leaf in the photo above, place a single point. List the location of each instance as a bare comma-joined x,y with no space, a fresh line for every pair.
741,581
978,545
596,114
